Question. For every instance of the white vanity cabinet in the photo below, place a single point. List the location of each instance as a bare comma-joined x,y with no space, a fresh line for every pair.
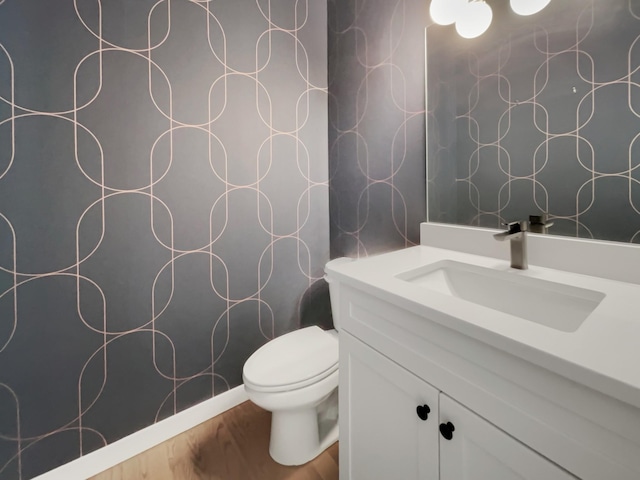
513,419
478,450
385,437
401,427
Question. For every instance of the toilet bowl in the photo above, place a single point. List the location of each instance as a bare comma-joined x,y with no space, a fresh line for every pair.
295,377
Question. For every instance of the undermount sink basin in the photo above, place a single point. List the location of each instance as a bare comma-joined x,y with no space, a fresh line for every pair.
556,305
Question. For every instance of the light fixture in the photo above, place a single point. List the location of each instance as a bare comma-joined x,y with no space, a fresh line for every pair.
528,7
445,12
474,19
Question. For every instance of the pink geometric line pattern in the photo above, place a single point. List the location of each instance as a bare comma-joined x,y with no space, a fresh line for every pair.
376,125
163,212
550,122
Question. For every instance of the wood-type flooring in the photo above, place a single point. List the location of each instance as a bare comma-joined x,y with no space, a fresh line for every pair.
231,446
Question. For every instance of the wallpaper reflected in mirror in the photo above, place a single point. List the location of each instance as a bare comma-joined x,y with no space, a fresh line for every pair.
541,114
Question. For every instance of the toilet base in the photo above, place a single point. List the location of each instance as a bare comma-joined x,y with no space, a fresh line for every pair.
296,439
299,436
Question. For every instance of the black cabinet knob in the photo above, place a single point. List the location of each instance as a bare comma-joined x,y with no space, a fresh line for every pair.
423,411
446,430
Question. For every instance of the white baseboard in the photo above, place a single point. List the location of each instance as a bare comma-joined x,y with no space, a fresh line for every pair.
136,443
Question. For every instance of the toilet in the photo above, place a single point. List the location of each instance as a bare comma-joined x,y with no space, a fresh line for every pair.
295,377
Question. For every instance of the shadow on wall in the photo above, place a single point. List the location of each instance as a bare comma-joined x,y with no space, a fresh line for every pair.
315,306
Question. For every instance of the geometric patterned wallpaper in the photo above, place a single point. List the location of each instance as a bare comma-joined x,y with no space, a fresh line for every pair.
163,208
376,124
539,114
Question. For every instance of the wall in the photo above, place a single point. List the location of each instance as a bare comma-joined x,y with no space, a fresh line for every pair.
376,124
540,114
163,208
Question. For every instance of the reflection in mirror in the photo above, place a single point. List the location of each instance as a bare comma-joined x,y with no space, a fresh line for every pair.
538,116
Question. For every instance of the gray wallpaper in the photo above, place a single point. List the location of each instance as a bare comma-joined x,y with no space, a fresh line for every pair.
163,208
540,114
376,124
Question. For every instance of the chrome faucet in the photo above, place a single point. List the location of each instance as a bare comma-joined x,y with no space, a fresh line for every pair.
517,234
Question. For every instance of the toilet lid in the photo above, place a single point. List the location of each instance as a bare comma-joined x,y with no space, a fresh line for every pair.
295,359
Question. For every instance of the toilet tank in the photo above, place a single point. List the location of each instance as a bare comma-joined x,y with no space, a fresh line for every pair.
334,290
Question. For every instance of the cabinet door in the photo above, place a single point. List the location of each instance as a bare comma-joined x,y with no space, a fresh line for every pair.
382,434
478,450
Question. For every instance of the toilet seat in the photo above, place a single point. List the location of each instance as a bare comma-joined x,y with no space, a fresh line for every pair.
292,361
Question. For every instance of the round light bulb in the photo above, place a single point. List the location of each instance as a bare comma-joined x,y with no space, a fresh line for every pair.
528,7
474,19
445,12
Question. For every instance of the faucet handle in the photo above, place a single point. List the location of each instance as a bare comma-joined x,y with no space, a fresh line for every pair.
515,227
539,223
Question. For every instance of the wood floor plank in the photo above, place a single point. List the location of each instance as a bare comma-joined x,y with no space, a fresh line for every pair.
231,446
326,464
216,456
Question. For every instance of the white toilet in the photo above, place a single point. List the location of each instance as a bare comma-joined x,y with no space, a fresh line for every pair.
295,377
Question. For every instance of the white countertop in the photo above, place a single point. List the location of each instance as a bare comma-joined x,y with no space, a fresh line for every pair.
603,354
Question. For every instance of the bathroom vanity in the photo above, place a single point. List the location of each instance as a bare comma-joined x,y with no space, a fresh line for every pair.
455,366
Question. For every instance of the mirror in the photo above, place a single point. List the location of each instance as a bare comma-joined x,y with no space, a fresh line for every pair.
539,115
